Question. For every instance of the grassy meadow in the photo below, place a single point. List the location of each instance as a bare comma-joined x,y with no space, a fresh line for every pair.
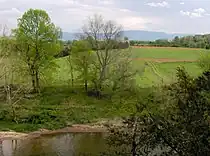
167,52
60,105
160,64
155,65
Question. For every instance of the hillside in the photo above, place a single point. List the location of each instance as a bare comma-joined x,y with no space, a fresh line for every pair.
149,35
135,35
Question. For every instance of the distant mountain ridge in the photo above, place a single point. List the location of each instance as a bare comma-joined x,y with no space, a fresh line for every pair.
135,35
149,35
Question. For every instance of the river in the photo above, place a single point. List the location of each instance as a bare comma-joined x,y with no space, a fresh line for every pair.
69,144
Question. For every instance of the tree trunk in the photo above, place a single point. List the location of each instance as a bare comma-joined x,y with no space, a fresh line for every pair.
85,74
37,82
101,79
134,144
86,85
33,81
72,74
72,79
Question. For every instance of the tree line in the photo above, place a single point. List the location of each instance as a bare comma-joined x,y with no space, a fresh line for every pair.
196,41
96,54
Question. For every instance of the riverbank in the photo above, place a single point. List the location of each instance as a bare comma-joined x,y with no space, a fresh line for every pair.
59,106
98,127
11,135
41,132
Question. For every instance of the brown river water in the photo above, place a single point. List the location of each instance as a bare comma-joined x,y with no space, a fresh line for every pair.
69,144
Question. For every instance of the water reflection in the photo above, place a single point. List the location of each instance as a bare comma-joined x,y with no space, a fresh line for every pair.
57,145
7,147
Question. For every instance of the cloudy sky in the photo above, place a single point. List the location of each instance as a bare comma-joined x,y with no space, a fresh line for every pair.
180,16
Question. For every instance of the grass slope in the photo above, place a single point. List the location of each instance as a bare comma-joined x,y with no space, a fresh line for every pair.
61,106
157,73
170,53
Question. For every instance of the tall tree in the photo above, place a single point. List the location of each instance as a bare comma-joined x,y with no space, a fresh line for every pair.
101,33
37,42
82,57
126,38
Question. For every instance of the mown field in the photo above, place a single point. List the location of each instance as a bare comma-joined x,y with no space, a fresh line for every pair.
167,52
160,64
155,65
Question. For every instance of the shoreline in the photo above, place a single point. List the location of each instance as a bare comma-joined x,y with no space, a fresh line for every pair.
4,135
95,127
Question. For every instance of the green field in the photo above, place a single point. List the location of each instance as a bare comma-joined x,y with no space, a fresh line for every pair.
164,73
170,53
153,73
157,72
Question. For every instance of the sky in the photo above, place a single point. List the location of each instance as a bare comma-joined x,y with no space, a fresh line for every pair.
170,16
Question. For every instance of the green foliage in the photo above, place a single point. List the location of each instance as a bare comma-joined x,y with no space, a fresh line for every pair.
197,41
37,42
79,47
6,46
175,122
186,128
123,73
108,66
82,57
203,62
58,107
126,38
103,36
36,31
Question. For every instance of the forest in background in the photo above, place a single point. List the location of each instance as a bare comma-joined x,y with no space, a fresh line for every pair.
196,41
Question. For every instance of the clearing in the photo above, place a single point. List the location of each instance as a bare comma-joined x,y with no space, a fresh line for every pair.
158,64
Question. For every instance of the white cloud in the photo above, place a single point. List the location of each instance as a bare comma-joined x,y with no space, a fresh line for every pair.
12,11
106,2
127,18
186,13
182,3
70,15
136,23
159,4
125,10
200,12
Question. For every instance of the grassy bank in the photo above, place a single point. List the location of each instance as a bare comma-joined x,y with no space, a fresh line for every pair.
169,53
59,105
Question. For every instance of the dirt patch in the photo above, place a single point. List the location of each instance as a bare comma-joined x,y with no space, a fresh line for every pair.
11,135
162,60
96,127
153,47
41,132
72,129
77,129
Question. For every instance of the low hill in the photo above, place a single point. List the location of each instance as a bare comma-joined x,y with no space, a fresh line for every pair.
134,35
149,35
